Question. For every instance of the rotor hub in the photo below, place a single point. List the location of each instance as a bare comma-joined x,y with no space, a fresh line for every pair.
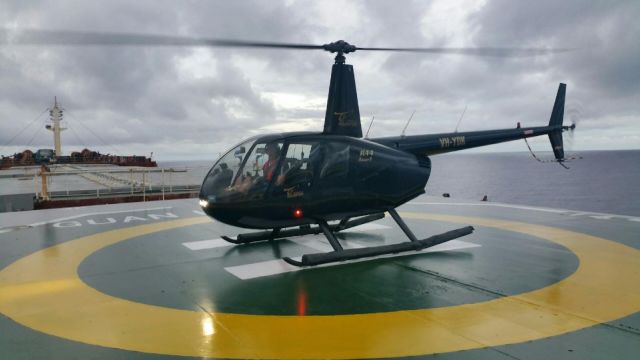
340,47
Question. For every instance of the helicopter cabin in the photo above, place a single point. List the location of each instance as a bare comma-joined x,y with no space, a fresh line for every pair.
291,179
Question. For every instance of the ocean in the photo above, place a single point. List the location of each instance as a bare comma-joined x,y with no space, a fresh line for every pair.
600,181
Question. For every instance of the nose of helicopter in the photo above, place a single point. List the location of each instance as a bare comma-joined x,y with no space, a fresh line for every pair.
212,204
209,196
212,192
217,199
206,194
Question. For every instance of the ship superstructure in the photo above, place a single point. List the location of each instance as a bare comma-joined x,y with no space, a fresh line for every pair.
55,156
56,117
49,178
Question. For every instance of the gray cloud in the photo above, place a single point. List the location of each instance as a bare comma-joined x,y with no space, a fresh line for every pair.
181,101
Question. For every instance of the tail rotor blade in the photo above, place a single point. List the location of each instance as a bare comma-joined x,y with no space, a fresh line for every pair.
574,116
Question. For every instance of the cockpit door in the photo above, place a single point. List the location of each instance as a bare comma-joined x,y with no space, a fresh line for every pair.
297,171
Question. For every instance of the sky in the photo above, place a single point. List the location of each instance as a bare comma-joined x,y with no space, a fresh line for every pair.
193,103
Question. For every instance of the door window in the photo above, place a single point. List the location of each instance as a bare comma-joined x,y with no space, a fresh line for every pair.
259,170
221,176
298,169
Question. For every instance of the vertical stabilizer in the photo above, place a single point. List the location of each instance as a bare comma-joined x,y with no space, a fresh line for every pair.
557,116
343,115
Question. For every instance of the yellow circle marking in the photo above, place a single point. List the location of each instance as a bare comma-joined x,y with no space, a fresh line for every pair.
43,291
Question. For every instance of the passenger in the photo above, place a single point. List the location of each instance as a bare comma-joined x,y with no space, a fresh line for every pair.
222,176
269,167
226,174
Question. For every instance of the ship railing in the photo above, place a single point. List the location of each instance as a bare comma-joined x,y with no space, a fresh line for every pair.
71,182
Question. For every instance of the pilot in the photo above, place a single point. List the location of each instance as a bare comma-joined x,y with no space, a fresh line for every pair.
269,167
242,184
247,182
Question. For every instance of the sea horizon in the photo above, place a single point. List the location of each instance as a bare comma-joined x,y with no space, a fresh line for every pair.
598,181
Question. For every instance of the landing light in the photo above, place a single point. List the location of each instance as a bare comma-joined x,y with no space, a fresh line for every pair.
204,203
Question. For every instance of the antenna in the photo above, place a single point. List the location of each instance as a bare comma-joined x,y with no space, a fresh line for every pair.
366,136
461,116
407,125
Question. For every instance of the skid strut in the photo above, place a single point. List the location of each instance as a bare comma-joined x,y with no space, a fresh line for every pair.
340,254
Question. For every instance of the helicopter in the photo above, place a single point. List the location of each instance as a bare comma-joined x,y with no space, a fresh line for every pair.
299,183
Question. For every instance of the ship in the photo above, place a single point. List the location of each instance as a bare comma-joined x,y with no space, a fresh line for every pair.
55,156
49,178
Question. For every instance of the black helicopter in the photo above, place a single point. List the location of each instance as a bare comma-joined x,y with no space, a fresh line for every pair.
307,179
297,183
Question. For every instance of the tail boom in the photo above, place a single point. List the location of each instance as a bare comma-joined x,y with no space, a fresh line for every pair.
432,144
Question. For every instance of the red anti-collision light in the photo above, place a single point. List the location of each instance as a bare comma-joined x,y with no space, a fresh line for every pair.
297,213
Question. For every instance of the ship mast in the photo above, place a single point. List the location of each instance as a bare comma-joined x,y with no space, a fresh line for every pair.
56,117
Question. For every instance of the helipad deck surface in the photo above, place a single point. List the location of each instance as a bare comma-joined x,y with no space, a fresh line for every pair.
155,281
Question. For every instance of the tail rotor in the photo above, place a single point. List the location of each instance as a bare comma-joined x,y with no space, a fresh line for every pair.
556,128
574,115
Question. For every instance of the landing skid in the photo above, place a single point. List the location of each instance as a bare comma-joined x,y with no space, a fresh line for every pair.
340,254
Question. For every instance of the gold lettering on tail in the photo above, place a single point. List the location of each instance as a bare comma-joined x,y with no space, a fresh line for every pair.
344,119
292,193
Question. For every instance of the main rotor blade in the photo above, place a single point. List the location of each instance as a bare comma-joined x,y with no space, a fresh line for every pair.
81,38
479,51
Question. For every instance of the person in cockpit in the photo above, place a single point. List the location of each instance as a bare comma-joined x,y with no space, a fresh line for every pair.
252,182
269,167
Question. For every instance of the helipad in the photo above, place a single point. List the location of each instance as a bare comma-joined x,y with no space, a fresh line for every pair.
154,280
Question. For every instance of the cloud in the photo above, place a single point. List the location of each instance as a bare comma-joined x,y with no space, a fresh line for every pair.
180,101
